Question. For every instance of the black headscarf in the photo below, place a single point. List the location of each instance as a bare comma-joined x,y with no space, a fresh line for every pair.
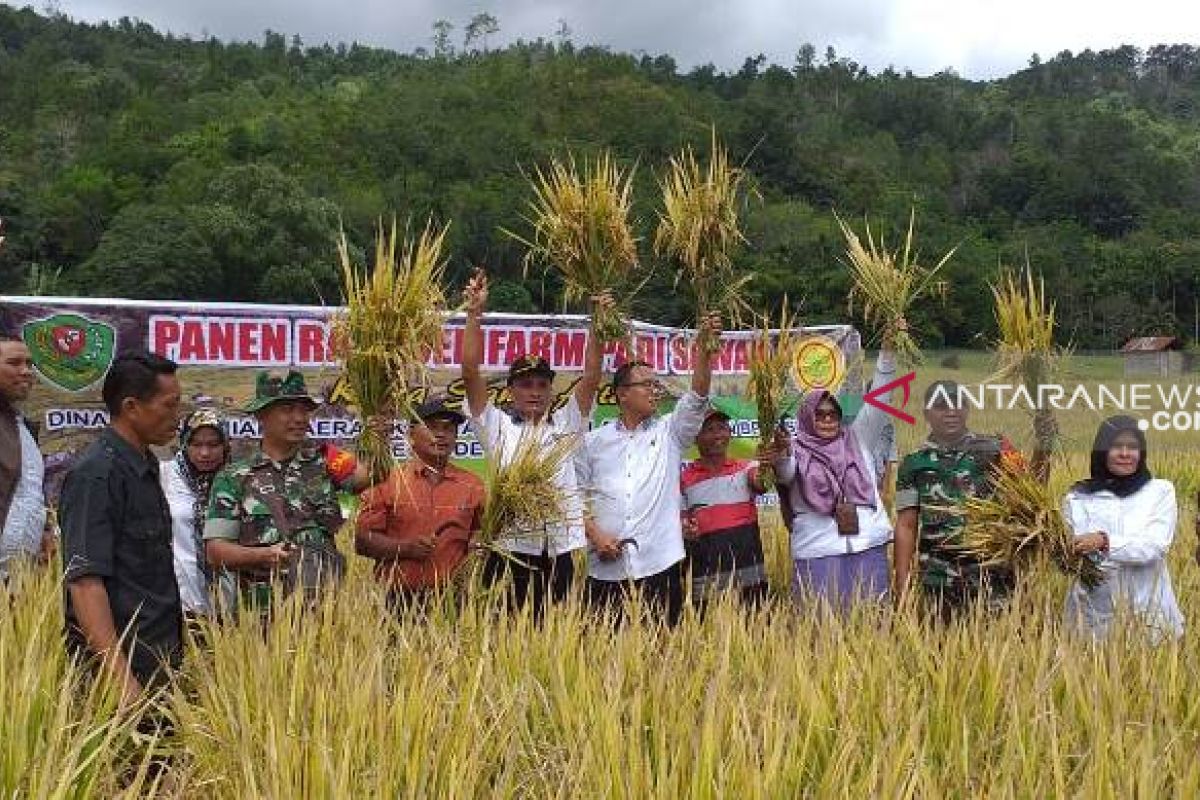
1103,480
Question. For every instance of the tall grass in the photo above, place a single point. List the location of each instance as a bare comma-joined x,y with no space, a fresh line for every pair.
522,495
581,227
61,735
698,228
886,283
351,701
390,329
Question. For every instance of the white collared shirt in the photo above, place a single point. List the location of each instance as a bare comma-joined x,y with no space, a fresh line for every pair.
499,432
631,478
815,535
26,520
1140,530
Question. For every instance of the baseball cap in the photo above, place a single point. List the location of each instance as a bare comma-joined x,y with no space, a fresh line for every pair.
527,366
439,406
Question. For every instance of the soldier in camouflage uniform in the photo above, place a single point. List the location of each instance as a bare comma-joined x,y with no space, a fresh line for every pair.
950,466
273,515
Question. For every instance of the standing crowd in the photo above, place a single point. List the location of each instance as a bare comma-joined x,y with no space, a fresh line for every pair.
149,548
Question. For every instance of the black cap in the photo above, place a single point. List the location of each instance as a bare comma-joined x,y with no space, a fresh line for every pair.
713,411
439,406
527,366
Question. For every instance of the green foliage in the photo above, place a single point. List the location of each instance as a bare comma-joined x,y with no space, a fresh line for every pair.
150,251
511,296
148,165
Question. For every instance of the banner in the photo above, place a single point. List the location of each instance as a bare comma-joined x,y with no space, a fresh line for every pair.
220,348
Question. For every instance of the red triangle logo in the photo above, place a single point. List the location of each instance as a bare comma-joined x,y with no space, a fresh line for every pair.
904,381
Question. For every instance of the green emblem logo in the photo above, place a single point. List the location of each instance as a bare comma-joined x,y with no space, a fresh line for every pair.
70,351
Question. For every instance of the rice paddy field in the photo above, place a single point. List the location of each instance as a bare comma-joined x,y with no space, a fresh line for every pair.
470,702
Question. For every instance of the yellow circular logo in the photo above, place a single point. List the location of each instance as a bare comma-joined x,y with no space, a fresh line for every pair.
819,364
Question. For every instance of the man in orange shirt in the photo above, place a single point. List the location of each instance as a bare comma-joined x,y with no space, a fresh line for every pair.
417,525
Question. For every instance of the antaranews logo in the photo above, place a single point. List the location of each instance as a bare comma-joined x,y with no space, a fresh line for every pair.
874,398
1156,406
69,350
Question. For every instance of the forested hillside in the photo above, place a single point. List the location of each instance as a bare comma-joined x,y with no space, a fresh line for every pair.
137,164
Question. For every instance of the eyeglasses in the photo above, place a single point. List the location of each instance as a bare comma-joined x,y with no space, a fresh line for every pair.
826,414
652,384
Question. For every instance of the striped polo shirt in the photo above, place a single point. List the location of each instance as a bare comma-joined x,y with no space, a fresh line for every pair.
727,549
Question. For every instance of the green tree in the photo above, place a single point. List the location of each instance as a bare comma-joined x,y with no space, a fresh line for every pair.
149,251
480,27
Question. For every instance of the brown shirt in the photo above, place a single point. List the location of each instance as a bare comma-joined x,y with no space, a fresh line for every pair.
413,503
10,457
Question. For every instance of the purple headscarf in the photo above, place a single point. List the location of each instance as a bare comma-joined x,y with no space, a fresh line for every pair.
829,470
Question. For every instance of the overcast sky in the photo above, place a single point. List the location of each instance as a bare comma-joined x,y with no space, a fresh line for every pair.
977,38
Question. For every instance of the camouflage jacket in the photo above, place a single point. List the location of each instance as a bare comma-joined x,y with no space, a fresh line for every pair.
935,480
257,501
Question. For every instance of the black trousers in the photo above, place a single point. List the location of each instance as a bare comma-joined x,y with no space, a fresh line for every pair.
534,580
661,593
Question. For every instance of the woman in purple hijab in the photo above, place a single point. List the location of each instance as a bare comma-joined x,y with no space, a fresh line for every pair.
839,529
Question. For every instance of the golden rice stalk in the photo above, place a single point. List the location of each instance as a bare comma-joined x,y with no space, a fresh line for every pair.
523,496
698,228
887,283
581,228
391,325
1025,350
1019,522
771,357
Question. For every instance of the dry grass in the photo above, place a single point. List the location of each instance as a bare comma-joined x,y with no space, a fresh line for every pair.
60,733
1020,522
350,702
1025,352
523,497
353,702
887,283
698,228
391,327
581,227
768,384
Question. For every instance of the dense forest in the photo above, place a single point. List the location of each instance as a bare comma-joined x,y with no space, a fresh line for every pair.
138,164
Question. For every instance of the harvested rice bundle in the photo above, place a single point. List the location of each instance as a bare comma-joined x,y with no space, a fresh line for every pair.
771,357
581,228
391,325
523,497
1020,521
698,228
1026,353
887,283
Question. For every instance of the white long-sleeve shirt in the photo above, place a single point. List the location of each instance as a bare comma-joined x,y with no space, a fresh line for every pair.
815,535
1140,530
500,436
631,478
21,536
193,593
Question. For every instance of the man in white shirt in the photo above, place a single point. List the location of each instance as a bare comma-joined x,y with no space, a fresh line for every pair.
539,562
22,505
629,470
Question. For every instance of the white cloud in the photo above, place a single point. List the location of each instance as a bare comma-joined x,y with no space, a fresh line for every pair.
976,38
